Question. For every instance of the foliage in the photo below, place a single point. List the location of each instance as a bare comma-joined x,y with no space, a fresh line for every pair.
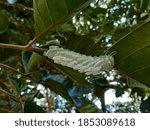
31,82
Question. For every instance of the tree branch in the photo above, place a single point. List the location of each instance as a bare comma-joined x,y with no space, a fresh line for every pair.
22,48
17,5
10,95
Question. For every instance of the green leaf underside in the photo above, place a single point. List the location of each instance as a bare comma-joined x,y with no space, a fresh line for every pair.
133,52
58,88
73,74
83,45
49,13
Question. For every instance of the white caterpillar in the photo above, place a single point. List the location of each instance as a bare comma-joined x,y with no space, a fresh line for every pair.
84,64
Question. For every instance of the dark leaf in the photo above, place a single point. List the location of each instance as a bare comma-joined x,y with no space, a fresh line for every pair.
4,21
32,107
58,83
25,59
119,93
145,106
144,4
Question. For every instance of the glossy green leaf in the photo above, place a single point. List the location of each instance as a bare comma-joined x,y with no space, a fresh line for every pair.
49,13
133,52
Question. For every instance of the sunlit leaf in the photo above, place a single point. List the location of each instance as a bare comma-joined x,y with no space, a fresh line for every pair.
132,53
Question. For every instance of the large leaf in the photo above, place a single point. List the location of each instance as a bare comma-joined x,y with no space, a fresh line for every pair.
49,13
133,53
83,44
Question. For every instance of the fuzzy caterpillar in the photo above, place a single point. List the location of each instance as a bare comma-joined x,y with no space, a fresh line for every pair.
84,64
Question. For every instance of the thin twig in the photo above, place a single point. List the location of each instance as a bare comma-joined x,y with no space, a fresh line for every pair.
4,84
16,98
23,7
17,5
22,48
6,66
10,95
43,32
50,100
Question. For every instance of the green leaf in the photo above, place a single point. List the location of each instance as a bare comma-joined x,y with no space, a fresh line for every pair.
135,84
57,83
144,4
49,13
108,27
31,107
133,52
99,11
83,45
35,61
25,59
73,74
145,106
88,107
4,21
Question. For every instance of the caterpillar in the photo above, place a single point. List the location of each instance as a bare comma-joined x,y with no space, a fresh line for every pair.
84,64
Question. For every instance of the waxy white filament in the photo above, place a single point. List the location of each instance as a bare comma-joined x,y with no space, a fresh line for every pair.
84,64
